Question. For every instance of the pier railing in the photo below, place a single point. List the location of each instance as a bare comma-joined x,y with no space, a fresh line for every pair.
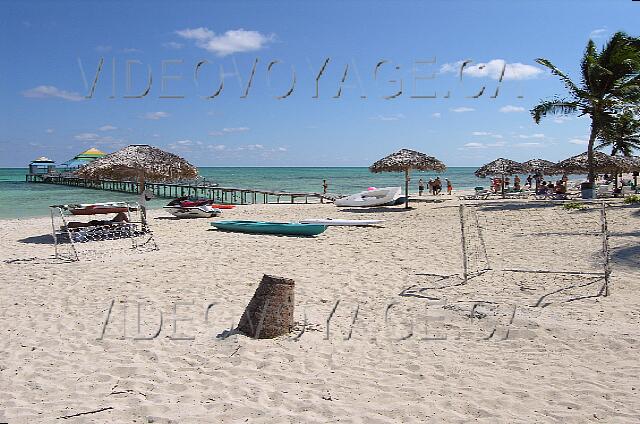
230,195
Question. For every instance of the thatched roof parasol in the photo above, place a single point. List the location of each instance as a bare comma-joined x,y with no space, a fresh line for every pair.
539,166
139,161
629,163
405,160
579,164
501,167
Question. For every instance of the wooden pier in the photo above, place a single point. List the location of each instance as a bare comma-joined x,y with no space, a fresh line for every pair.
228,195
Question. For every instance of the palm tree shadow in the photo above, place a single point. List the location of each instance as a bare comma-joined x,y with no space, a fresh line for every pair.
627,256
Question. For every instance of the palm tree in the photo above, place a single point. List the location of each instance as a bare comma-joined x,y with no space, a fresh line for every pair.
622,135
610,83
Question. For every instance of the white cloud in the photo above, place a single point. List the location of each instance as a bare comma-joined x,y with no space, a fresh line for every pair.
235,129
462,109
493,69
528,144
436,115
393,117
46,91
475,145
232,41
218,147
561,119
281,149
216,133
510,108
96,139
255,146
537,135
49,130
172,45
598,33
155,115
86,136
579,141
480,133
107,128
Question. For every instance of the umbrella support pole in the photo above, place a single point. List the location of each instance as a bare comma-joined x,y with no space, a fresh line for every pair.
465,264
406,188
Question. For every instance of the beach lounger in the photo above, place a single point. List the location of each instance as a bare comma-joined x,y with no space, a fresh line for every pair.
627,191
480,194
604,191
80,232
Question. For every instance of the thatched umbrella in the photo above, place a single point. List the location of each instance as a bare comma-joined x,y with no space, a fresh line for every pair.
141,162
633,165
539,167
501,167
579,164
627,164
405,160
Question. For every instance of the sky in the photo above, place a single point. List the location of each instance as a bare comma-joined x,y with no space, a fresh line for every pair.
248,83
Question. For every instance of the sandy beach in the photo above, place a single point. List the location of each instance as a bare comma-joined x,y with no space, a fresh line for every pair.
409,341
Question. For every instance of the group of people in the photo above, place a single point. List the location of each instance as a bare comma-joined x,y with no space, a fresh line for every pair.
542,187
435,186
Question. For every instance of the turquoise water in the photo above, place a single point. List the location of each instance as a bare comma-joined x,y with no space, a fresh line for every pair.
19,199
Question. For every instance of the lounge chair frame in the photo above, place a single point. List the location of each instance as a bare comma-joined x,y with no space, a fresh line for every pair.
134,228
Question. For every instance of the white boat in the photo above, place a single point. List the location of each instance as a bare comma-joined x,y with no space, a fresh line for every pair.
343,222
204,211
377,197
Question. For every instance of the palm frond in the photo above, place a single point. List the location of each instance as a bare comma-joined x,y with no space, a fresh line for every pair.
554,107
571,86
590,56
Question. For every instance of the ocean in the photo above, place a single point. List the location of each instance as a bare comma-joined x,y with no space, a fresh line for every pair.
20,199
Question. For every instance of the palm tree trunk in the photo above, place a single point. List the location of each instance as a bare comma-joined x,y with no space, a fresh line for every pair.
592,140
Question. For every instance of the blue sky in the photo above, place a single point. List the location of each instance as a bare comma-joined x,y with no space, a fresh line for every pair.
43,110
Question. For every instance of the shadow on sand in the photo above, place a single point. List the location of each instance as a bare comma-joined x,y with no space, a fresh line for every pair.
260,234
627,256
377,209
43,239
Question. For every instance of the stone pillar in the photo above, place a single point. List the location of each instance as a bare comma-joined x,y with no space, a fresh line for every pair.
270,312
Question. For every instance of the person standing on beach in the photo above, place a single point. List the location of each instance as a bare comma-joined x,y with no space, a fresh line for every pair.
516,183
437,186
430,185
325,186
449,186
420,187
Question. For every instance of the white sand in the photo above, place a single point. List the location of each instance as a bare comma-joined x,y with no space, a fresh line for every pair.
563,360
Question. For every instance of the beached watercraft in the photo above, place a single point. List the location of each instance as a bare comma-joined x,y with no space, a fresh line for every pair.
186,202
281,228
369,198
99,208
342,222
204,211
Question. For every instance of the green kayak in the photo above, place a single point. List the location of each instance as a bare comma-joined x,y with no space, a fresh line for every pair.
259,227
